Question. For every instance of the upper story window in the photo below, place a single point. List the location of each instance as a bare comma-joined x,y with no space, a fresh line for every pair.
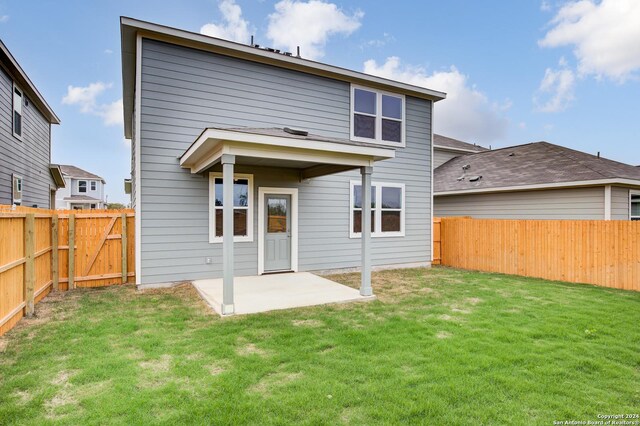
94,185
377,116
242,208
16,189
82,186
635,206
17,112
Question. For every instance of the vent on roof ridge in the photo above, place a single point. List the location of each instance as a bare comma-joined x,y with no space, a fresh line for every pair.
297,132
474,178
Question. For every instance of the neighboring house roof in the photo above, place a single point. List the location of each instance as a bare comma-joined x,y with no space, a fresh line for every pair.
78,173
26,85
538,164
81,198
451,144
130,28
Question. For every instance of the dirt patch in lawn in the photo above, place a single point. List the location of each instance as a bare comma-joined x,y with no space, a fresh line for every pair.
272,381
308,323
184,291
157,365
443,335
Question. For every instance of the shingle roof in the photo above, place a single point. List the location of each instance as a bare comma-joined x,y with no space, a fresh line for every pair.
446,142
76,172
536,163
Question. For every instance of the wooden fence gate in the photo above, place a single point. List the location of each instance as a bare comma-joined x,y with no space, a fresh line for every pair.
44,250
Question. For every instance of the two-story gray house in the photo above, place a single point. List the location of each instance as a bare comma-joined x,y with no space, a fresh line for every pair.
26,175
83,190
248,161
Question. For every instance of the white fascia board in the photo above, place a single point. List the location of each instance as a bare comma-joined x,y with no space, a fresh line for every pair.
191,157
447,148
557,185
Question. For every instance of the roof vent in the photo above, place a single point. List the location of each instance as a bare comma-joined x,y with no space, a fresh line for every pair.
297,132
512,154
466,167
474,178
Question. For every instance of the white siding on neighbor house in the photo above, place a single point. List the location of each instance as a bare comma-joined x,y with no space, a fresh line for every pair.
186,90
28,157
619,203
574,203
441,156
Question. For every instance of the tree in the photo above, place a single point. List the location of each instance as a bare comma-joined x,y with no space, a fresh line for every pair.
115,206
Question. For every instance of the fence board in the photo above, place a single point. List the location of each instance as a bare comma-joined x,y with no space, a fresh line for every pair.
604,253
99,257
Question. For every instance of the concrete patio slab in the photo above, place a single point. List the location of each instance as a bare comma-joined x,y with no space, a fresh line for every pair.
278,291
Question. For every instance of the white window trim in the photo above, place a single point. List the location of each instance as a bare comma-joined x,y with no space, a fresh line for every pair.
87,186
14,200
632,192
91,184
378,209
212,209
13,112
378,140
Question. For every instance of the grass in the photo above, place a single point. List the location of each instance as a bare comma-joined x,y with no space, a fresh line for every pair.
439,346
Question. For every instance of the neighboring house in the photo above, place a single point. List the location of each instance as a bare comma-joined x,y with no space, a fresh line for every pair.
83,190
26,176
444,149
537,181
199,109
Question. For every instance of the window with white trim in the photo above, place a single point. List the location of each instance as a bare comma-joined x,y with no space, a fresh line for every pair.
82,186
377,116
242,207
16,190
94,185
634,205
387,209
17,112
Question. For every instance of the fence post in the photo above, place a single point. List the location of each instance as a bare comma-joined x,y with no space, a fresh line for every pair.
55,275
125,246
30,267
72,250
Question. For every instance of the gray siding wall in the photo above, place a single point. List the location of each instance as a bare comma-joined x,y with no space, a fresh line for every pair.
441,156
29,157
619,203
186,90
577,203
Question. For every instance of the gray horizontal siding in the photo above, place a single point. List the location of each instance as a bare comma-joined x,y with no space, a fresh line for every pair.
619,203
185,90
440,157
29,157
576,203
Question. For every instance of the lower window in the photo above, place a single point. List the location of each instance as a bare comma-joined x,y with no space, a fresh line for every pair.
635,206
387,209
242,207
16,190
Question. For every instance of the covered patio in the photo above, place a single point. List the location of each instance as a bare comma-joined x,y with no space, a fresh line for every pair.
312,156
277,291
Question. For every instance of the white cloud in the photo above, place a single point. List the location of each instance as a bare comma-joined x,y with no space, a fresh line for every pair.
108,51
555,93
4,18
522,125
380,42
87,99
233,27
545,6
605,36
467,113
309,25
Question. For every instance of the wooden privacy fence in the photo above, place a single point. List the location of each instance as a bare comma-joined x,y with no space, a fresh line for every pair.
604,253
44,250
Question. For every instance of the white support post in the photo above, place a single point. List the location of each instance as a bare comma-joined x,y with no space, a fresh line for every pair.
365,284
607,202
228,162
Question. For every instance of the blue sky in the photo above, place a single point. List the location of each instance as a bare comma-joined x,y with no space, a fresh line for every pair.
516,72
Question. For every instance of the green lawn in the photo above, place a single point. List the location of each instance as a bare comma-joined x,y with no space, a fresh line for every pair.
439,346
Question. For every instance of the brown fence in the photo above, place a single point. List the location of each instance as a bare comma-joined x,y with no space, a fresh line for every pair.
604,253
41,250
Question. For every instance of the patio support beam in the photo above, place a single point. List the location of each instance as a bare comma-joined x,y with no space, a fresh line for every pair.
228,162
365,275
